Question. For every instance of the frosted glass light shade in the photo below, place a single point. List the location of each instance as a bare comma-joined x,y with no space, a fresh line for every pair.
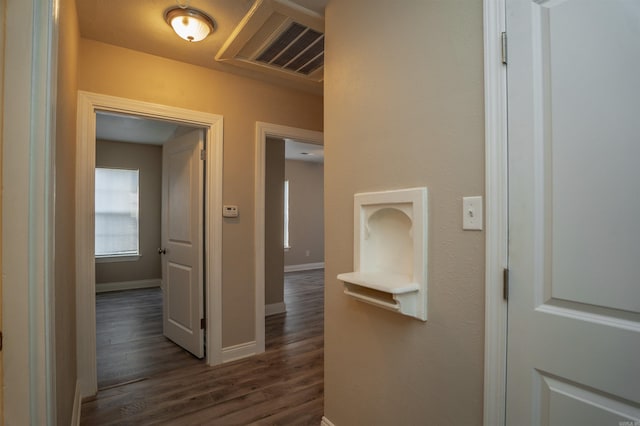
190,24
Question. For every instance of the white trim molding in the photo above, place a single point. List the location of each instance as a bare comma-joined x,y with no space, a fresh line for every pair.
127,285
326,422
274,309
29,74
118,259
304,267
88,104
240,351
76,414
496,211
264,130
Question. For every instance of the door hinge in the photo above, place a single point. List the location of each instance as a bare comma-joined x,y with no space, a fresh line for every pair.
202,154
0,340
202,323
505,284
503,43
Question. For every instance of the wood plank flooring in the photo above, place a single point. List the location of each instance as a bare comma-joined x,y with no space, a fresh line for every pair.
283,386
129,341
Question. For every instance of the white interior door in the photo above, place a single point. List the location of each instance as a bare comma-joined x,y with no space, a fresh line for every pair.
182,233
574,212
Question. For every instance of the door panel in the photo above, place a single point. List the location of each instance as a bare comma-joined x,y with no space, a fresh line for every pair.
593,131
565,403
182,271
178,300
574,188
180,210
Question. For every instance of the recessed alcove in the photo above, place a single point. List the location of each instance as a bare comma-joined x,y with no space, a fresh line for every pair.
390,251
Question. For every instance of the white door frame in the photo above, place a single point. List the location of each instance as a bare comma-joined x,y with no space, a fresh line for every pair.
88,104
29,71
496,214
264,130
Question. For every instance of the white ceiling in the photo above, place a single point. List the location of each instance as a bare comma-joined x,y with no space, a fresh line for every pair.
129,128
140,25
132,129
294,150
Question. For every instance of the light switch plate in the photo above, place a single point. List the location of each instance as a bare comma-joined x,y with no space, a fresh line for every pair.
472,213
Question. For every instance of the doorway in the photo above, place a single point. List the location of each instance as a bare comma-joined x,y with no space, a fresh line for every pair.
135,179
264,131
88,105
294,215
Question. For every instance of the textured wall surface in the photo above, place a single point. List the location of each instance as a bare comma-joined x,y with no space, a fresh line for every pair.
65,157
404,108
273,222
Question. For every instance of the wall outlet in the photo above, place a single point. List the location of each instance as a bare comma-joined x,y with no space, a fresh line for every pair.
307,253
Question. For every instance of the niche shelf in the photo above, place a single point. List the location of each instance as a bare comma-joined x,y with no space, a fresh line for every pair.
390,251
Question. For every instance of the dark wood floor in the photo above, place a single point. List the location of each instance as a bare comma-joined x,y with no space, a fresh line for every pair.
169,386
129,340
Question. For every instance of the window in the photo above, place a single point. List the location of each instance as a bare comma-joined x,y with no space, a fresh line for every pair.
117,215
286,214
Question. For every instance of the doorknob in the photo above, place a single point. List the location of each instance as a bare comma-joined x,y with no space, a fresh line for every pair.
162,251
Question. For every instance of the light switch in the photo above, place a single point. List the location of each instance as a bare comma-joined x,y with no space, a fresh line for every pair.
472,213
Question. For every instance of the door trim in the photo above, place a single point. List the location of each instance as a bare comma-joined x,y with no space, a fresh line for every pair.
264,130
88,104
496,213
29,71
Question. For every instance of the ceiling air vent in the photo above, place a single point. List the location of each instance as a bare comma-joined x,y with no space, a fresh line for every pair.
299,49
280,38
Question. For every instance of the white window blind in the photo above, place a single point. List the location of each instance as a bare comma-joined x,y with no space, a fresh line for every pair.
116,226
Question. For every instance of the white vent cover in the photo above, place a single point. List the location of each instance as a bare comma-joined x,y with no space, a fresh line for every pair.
278,37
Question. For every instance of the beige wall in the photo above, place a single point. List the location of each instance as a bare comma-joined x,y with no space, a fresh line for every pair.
65,156
404,108
306,212
2,30
147,159
126,73
274,222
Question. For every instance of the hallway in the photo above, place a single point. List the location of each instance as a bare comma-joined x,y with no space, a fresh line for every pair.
284,385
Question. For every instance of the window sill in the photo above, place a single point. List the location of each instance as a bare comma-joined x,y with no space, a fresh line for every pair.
115,259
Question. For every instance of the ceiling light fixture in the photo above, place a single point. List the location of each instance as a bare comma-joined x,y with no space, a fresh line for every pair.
190,24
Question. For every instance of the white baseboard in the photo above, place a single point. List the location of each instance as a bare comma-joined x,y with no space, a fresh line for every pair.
304,267
326,422
275,308
77,406
236,352
128,285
